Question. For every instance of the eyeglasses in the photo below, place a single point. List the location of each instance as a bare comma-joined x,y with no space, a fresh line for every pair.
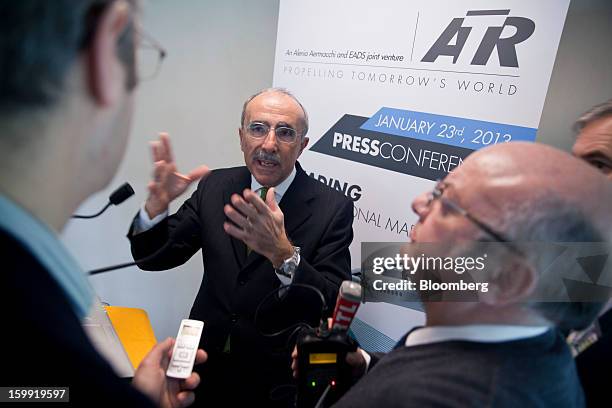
150,56
259,130
437,194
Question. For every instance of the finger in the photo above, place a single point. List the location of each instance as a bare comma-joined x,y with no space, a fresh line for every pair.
157,352
271,199
235,232
294,369
255,201
171,349
236,217
201,356
160,171
185,398
294,353
155,150
329,323
152,187
191,382
354,358
167,148
245,208
198,173
165,360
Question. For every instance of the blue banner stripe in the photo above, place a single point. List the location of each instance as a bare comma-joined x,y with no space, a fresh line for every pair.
370,339
449,130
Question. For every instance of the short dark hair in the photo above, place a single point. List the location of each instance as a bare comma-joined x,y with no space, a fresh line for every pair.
595,113
39,42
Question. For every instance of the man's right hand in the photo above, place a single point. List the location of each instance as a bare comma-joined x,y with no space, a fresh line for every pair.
167,183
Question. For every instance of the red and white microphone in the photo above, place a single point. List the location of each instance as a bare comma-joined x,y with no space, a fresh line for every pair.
349,299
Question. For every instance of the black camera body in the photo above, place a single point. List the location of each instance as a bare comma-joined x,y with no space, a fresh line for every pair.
322,367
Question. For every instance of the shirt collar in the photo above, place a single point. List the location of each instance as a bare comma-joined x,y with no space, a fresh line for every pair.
280,189
45,245
484,333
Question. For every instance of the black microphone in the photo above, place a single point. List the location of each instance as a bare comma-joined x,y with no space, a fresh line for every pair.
128,264
118,196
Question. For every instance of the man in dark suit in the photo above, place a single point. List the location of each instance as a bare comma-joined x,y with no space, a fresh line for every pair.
504,349
66,97
594,345
257,226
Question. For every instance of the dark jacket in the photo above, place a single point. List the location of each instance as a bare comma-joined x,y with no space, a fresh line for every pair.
317,219
43,343
534,372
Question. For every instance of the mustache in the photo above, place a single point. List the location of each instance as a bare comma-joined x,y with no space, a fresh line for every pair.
265,156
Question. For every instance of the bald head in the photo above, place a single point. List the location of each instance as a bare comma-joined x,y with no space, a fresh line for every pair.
514,177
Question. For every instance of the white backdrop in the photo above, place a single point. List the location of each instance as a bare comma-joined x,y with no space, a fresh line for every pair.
219,52
352,64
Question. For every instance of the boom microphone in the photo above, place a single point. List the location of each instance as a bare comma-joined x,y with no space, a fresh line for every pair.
118,196
347,303
133,263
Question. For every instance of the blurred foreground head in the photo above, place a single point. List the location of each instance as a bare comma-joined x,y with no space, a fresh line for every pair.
520,193
67,72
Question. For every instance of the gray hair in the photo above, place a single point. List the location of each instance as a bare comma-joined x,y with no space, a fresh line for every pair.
552,220
303,120
595,113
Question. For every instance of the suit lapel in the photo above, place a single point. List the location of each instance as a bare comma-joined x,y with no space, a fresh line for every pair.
296,202
237,185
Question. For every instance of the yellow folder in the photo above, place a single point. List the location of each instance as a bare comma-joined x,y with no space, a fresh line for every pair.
134,330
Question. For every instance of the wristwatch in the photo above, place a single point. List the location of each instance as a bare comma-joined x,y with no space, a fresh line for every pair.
288,267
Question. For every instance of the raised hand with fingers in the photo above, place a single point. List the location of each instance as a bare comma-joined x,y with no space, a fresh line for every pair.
260,225
167,183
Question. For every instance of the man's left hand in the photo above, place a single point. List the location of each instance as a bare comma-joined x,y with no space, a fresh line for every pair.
260,225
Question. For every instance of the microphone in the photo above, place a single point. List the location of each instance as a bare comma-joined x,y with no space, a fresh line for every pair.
347,303
128,264
118,196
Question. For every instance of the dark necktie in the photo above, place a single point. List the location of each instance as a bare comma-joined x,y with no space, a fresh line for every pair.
262,194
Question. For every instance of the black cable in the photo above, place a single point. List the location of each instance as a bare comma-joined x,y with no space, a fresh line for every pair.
323,396
92,215
293,326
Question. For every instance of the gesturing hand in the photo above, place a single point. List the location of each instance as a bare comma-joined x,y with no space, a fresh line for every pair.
260,225
167,183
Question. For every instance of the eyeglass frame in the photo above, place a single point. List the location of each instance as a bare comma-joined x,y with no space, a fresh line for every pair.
437,194
248,130
147,41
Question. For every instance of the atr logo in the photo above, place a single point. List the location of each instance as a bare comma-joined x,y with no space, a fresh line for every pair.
506,47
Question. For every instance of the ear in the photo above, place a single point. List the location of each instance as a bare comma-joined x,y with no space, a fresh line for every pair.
105,75
241,138
514,282
304,144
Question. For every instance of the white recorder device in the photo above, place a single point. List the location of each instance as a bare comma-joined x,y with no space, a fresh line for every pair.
185,348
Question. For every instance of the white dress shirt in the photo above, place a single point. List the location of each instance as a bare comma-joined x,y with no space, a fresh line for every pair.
46,247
